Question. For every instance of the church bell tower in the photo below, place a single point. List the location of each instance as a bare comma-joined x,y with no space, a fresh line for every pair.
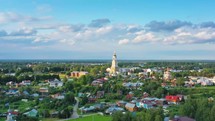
114,66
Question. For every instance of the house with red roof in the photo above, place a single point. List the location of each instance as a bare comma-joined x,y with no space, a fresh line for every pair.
172,99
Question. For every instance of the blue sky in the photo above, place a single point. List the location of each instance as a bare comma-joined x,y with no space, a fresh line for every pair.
93,29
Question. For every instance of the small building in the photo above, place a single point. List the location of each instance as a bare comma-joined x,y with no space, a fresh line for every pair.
145,94
31,113
58,96
92,99
132,85
13,91
26,83
77,74
161,102
99,106
97,83
35,95
26,93
55,83
129,96
172,99
131,107
44,91
113,109
100,94
91,108
121,103
147,104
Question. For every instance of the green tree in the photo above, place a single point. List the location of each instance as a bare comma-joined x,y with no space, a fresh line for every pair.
69,98
180,81
84,100
69,86
148,116
117,116
65,79
158,118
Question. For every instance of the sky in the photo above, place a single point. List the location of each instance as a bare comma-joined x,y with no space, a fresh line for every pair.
94,29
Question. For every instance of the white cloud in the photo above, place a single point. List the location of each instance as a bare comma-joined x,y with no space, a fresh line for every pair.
123,41
24,32
12,17
6,17
145,37
131,34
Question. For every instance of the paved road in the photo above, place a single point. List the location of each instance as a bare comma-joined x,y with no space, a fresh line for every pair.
75,114
75,109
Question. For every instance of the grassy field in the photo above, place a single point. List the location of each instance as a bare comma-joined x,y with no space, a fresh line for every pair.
198,91
2,119
93,118
50,119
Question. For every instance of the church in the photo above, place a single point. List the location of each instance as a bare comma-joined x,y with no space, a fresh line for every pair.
113,71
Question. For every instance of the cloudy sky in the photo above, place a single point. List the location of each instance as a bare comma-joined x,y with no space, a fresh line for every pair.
93,29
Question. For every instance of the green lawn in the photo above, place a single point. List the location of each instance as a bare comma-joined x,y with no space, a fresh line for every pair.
2,119
50,119
93,118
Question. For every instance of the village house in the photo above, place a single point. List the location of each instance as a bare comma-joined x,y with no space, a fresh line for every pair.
190,83
89,109
35,95
26,93
131,107
142,74
121,103
160,102
130,95
132,85
113,109
171,99
92,99
26,82
97,83
31,113
146,103
13,91
55,83
124,70
99,106
100,94
204,81
11,83
58,96
145,94
80,94
44,91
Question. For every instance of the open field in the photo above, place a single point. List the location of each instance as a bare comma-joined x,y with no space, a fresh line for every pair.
93,118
